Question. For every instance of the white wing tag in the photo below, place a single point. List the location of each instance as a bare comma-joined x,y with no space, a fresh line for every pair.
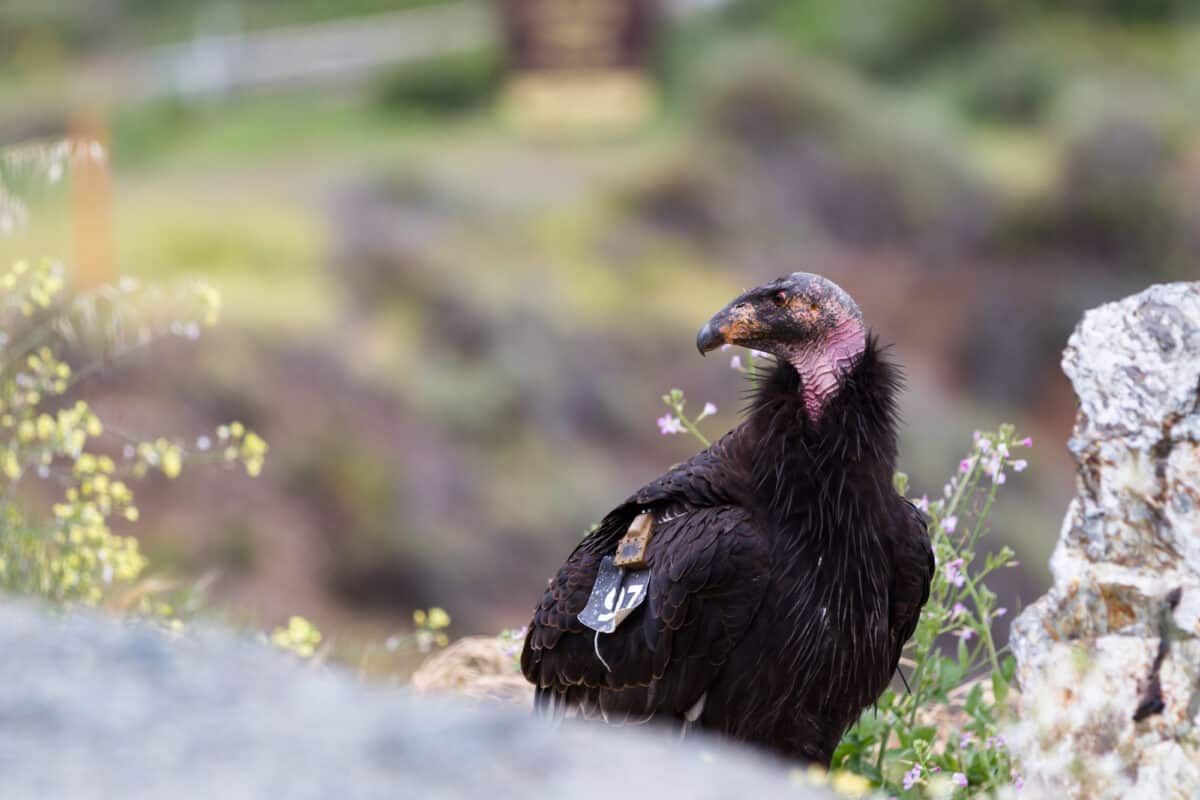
615,595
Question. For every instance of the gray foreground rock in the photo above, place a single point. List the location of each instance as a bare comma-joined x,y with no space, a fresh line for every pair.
1109,659
96,708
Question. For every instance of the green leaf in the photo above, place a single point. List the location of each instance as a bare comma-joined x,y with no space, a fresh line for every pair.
974,698
999,687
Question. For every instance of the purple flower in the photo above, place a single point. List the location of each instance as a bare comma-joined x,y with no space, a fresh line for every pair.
1026,442
965,739
953,575
994,465
923,503
669,423
966,634
1017,781
709,410
912,776
958,610
966,464
996,742
1000,612
1002,450
1001,478
949,524
985,445
935,768
959,779
1019,465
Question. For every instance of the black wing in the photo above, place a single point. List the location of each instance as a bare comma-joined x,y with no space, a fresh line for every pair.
708,574
912,572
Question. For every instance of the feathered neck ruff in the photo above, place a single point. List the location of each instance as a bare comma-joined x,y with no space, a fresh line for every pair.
854,439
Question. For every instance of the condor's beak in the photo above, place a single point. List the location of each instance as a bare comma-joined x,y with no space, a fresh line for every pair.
736,323
709,337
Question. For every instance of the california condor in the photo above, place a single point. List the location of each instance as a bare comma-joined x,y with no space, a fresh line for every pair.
763,589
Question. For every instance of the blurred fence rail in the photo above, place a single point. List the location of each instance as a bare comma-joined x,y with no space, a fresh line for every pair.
322,53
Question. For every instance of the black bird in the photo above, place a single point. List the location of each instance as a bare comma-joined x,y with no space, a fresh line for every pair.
770,581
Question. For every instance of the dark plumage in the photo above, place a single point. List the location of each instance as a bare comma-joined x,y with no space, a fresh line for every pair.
786,573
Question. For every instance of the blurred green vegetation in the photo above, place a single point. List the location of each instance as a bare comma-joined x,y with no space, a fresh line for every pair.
455,337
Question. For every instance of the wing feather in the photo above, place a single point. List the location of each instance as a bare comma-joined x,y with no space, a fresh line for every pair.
912,572
708,574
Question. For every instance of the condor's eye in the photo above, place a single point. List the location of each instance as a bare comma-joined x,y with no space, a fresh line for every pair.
779,298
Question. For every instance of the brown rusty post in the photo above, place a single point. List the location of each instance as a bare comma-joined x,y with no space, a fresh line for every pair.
91,201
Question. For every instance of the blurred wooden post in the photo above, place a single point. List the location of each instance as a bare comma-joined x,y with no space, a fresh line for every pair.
579,66
91,201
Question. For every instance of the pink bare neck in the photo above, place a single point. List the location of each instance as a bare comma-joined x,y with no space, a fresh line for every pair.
823,364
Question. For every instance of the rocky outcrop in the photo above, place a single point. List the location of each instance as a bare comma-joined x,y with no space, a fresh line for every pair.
1109,659
95,708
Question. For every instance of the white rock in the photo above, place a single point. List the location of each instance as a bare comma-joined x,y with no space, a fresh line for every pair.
1126,568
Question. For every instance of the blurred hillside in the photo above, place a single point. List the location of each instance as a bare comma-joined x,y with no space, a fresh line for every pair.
455,335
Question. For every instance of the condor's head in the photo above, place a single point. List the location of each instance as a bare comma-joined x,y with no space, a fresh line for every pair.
804,319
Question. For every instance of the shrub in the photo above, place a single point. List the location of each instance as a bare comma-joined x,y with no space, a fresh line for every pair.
763,99
1010,83
1116,200
53,443
822,146
451,83
51,439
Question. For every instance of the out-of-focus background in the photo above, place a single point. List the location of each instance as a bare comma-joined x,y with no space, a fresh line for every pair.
464,248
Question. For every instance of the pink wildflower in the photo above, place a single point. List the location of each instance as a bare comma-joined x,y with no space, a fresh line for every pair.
669,423
949,524
1026,442
959,779
953,575
1019,465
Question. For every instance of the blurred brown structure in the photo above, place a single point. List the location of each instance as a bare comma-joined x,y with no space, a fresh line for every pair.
91,202
579,35
579,64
